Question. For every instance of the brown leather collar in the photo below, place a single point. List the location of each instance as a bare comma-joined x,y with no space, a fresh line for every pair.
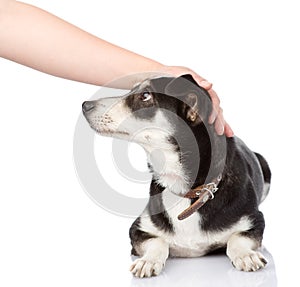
203,193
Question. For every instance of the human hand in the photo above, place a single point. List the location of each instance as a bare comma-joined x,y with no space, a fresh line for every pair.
216,117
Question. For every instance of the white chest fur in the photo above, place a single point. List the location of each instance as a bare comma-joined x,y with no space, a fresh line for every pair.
188,239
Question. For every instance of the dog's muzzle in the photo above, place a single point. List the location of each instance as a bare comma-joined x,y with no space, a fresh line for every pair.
88,106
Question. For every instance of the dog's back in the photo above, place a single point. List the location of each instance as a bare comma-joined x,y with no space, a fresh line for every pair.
267,175
256,167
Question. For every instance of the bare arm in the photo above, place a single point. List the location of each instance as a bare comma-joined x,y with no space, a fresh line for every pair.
42,41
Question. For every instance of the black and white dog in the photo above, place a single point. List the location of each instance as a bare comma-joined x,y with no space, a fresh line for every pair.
168,117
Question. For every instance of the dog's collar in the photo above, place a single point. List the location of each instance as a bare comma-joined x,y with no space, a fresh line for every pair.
204,193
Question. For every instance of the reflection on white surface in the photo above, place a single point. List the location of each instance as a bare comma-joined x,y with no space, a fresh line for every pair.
213,270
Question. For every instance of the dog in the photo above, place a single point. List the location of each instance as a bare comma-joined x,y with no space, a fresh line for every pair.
205,188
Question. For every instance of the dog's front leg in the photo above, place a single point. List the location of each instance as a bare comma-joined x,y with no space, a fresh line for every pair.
154,252
243,254
242,247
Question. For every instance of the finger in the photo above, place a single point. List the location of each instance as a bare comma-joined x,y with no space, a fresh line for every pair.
215,99
196,77
216,106
219,127
220,123
201,81
205,84
213,116
228,131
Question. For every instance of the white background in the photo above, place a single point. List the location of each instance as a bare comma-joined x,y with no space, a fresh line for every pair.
51,232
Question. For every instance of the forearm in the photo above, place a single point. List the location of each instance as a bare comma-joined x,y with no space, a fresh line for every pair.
35,38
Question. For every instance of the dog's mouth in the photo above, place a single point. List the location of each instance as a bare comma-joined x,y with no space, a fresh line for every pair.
104,130
109,132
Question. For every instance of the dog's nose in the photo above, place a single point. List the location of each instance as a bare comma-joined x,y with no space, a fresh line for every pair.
88,106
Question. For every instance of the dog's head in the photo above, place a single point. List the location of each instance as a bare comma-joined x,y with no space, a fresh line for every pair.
151,111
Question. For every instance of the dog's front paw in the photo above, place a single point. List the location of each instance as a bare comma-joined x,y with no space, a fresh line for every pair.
252,261
143,267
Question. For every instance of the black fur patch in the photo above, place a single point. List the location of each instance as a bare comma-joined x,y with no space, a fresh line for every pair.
159,217
265,167
139,108
256,232
137,236
216,249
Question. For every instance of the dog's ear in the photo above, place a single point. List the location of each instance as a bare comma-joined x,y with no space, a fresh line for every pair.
190,108
195,104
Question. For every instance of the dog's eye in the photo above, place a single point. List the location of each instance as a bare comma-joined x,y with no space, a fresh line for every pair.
145,96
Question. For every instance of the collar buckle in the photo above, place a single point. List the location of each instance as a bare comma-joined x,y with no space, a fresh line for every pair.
204,193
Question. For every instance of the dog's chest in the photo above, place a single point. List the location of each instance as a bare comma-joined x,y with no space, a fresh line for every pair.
188,239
